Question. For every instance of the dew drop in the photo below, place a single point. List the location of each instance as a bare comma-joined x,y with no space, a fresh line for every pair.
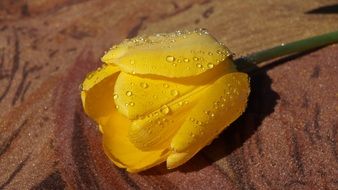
210,65
210,53
115,96
144,85
165,109
186,60
165,85
199,65
180,103
129,93
174,92
131,104
170,58
117,107
192,119
210,113
90,75
195,58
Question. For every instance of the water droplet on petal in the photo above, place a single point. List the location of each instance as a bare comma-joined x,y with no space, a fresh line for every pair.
165,109
210,113
90,75
131,104
199,65
196,58
186,60
115,96
174,92
210,65
165,85
129,93
144,85
170,58
210,53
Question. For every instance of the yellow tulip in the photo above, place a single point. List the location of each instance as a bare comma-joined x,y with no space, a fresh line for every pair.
163,98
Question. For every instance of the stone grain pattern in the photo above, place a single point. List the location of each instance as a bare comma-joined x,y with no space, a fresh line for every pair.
287,138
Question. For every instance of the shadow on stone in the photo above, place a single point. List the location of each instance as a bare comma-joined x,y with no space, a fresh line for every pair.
328,9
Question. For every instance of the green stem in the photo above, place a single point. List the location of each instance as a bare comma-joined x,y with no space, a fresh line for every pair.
250,62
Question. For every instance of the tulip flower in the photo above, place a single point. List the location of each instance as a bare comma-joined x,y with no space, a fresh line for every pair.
164,97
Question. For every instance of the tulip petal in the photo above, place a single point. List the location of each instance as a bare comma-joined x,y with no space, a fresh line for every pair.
96,99
173,55
156,130
218,107
122,152
140,95
137,96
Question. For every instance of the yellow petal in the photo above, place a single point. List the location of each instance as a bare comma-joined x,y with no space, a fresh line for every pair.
98,75
122,152
97,92
176,159
219,106
156,130
139,95
179,54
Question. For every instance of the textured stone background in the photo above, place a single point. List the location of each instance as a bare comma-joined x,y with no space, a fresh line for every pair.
287,139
